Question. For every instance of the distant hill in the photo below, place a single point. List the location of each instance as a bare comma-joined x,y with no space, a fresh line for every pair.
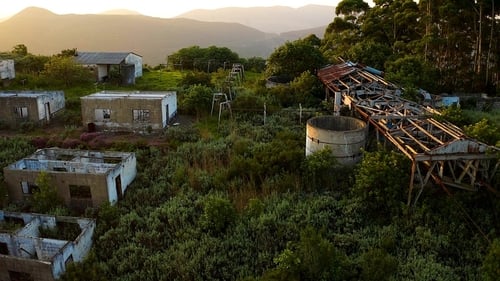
120,12
44,32
277,19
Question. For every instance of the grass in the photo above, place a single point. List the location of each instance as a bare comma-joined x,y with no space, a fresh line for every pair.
159,80
476,115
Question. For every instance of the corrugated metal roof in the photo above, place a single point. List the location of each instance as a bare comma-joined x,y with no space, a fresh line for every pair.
101,57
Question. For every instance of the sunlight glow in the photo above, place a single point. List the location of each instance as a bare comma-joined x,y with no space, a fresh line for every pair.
155,8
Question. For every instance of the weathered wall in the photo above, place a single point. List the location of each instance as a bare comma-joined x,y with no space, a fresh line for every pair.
37,110
137,62
121,117
7,69
39,270
56,102
344,136
8,105
61,180
171,103
42,258
102,71
83,243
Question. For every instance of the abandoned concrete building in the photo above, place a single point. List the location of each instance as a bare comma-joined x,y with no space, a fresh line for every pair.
127,64
39,247
30,106
82,178
128,111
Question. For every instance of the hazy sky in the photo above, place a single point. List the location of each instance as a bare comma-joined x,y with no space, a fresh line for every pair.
156,8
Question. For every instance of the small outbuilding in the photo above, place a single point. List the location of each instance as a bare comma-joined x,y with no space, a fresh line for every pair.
141,112
127,64
39,107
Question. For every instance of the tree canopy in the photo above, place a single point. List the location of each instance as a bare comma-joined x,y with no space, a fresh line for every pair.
456,41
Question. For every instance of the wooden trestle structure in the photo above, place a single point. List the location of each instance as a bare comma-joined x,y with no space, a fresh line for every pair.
438,150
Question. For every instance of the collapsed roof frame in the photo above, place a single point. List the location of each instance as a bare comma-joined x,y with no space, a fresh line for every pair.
437,149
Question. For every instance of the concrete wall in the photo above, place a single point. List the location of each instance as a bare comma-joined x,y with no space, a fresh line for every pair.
344,136
126,173
137,62
42,258
38,270
121,113
102,71
62,181
102,184
40,108
171,103
7,69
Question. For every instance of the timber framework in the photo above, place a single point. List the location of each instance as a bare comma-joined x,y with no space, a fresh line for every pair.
437,149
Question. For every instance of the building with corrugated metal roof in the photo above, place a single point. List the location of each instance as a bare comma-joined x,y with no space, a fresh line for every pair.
128,64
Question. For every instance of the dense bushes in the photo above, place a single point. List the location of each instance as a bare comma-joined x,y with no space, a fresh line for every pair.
244,203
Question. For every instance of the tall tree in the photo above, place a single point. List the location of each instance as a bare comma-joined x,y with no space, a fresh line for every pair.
344,31
293,58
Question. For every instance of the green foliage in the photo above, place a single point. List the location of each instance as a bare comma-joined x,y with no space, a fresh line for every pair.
321,171
255,64
196,100
382,180
349,7
45,198
454,115
64,70
377,264
491,264
312,258
89,269
203,59
192,78
305,89
411,71
485,131
20,50
441,46
370,52
293,58
62,231
12,150
218,214
158,80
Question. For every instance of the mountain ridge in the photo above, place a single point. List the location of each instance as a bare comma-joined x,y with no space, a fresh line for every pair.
275,19
46,33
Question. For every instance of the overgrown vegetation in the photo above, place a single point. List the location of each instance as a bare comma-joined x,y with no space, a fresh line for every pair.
237,199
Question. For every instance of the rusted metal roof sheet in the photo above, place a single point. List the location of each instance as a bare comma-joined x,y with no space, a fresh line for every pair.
335,72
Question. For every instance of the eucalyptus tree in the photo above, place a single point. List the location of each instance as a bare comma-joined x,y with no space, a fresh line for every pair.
461,40
344,31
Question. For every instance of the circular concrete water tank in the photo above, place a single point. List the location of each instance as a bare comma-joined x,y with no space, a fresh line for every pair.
345,136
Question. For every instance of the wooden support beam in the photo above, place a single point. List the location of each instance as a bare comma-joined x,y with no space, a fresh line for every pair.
415,139
425,132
